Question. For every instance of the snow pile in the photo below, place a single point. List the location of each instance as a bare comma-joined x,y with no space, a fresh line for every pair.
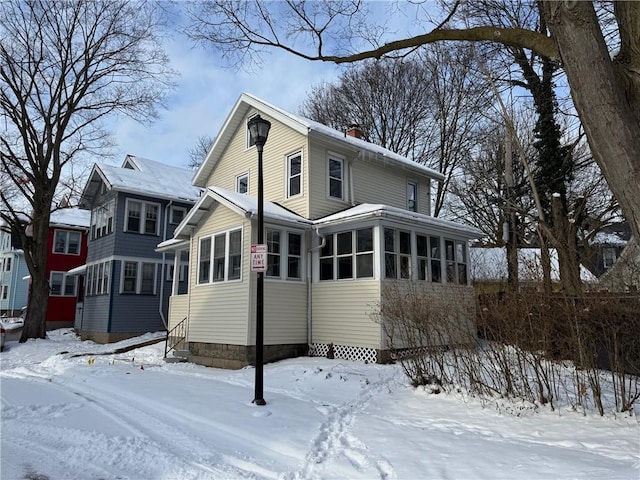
72,410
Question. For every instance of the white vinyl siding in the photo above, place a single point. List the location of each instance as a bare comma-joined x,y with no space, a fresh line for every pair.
218,312
342,313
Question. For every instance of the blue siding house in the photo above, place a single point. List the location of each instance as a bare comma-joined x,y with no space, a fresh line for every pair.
127,283
14,288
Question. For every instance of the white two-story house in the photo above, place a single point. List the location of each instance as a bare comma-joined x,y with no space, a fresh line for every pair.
343,218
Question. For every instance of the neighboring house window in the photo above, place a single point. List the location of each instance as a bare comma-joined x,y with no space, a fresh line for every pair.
220,257
284,254
138,278
397,253
242,183
170,270
102,220
353,256
336,178
141,217
7,264
412,196
98,276
435,259
5,292
62,285
294,174
65,241
608,256
177,215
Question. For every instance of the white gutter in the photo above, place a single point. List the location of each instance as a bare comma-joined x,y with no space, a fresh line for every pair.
163,267
310,280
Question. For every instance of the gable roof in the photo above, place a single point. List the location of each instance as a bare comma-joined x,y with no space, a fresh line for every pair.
304,126
243,205
144,177
70,217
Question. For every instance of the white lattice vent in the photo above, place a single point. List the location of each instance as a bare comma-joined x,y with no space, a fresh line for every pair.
345,352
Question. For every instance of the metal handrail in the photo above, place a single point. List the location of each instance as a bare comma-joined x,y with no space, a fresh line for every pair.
176,335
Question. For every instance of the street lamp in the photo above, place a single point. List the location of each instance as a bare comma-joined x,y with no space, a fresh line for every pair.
258,133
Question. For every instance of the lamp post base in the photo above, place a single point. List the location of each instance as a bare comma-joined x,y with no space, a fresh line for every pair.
259,401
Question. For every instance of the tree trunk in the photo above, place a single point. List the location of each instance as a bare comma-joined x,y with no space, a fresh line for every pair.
566,247
603,96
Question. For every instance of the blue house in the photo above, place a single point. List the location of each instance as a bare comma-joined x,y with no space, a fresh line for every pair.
127,283
14,288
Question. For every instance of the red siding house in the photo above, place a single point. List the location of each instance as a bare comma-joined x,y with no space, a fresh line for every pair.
67,247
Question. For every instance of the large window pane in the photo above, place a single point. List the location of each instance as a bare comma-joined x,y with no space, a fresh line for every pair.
130,277
151,218
364,265
70,285
344,243
294,255
148,278
335,178
56,283
295,175
134,210
60,241
74,243
345,267
273,253
364,240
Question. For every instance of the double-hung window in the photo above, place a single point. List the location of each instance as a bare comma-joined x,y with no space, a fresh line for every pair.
66,241
138,278
294,174
422,254
347,255
435,258
220,257
450,253
62,285
336,178
177,215
7,264
141,217
284,254
4,292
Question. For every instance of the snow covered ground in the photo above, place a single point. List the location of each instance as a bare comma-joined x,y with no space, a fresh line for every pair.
132,416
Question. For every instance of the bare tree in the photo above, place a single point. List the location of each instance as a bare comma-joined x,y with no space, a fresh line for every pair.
199,151
65,67
605,88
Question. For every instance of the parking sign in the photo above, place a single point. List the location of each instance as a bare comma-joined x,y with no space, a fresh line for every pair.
259,258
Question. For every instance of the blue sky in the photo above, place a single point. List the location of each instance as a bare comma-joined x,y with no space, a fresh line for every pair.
205,93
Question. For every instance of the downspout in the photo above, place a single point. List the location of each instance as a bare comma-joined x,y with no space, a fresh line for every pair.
323,241
163,268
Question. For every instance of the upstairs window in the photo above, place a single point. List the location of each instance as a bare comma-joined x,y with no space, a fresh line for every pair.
242,183
336,177
412,196
177,214
141,217
102,220
67,242
294,174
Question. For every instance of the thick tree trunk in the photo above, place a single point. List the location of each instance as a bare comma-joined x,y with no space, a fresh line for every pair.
604,98
566,247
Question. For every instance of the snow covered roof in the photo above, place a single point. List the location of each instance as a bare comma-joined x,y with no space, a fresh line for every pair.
72,217
147,177
304,126
490,264
370,210
242,204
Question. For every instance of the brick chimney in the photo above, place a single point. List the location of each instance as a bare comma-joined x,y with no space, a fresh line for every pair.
354,130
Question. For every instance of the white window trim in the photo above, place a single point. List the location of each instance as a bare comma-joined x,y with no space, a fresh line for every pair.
227,245
339,158
97,215
139,278
284,256
91,275
354,255
63,284
66,242
288,176
174,208
238,177
143,216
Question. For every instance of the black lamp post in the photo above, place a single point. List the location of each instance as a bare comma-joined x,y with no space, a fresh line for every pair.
258,132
